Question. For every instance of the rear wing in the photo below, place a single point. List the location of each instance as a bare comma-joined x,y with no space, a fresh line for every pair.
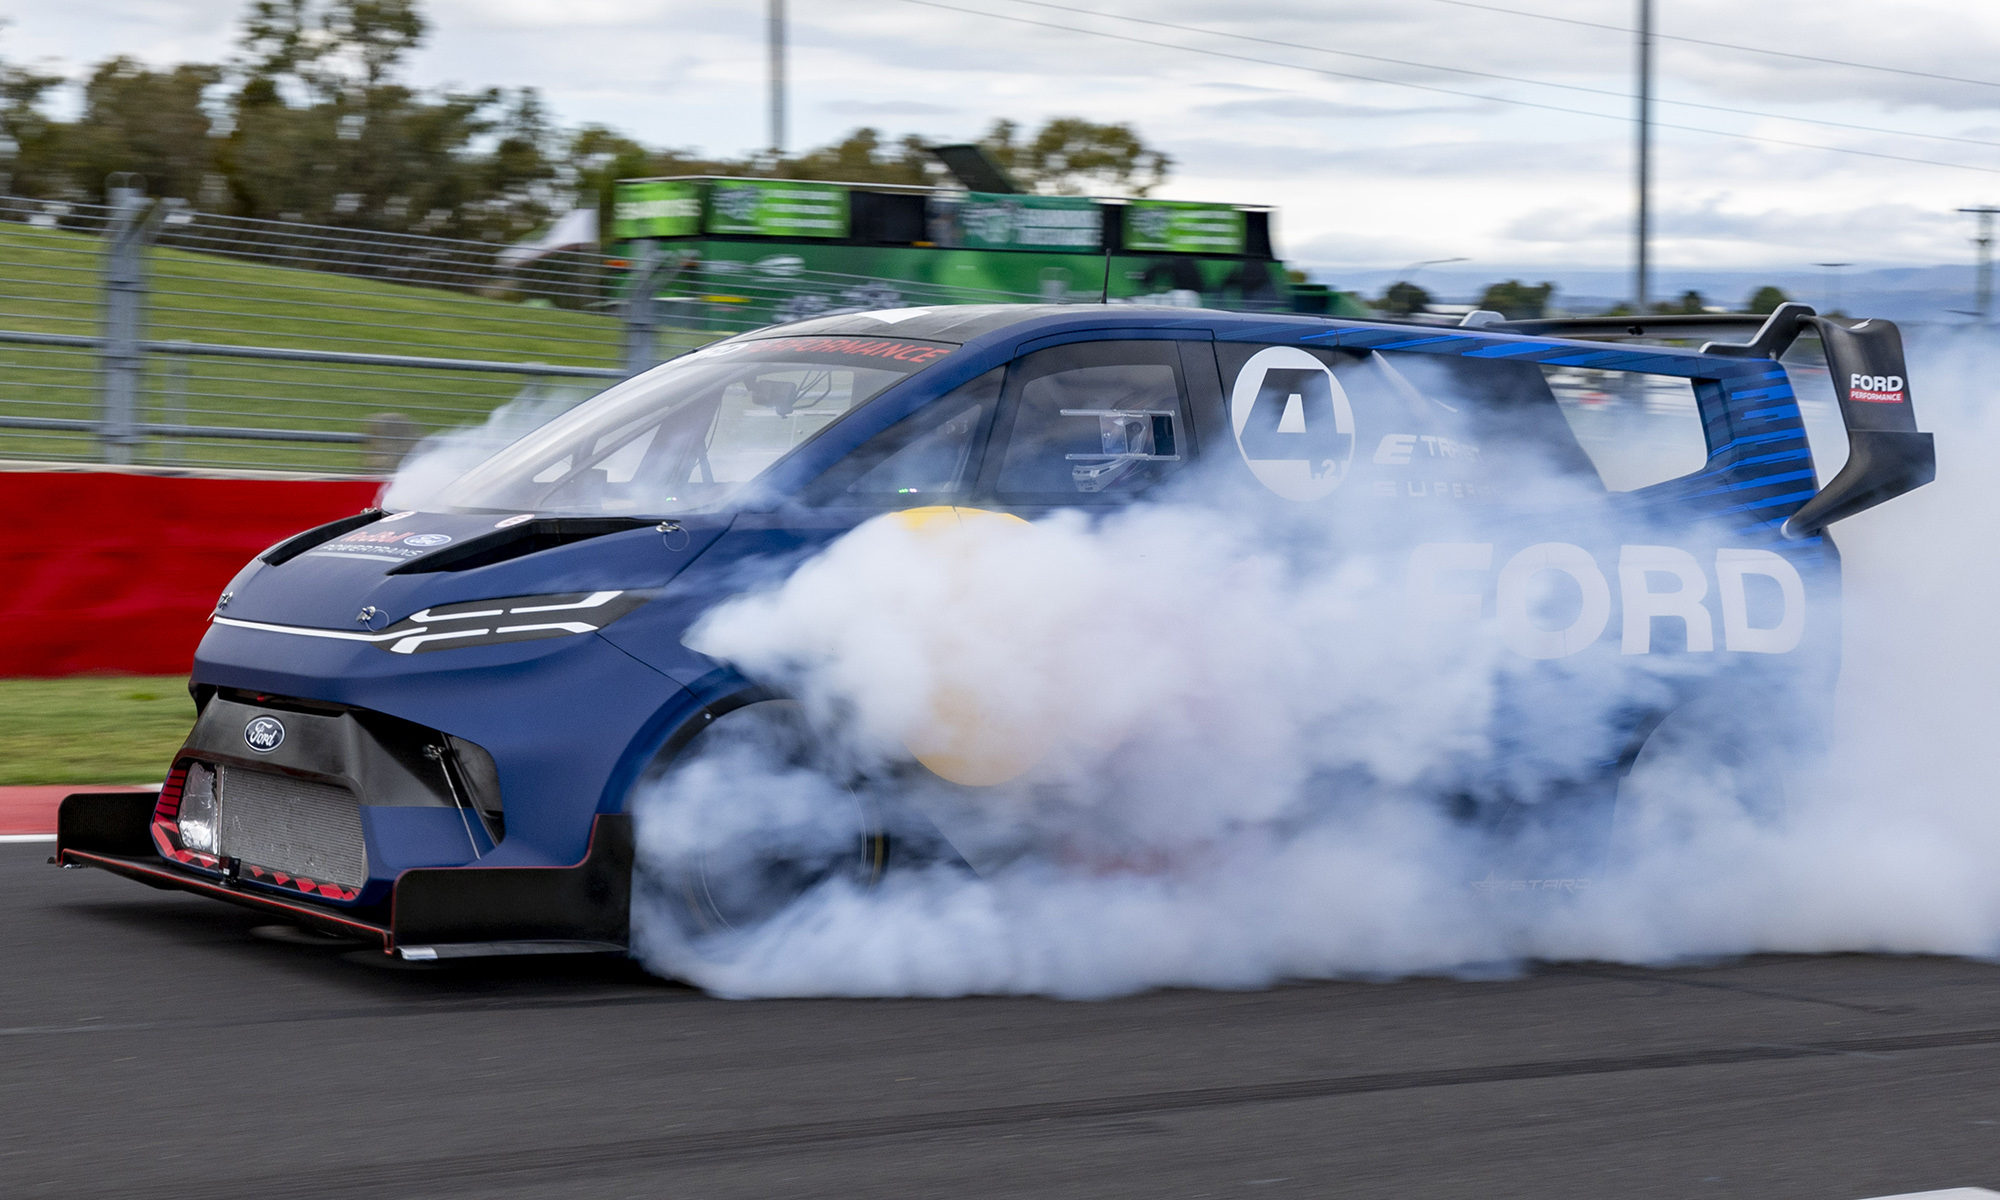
1886,454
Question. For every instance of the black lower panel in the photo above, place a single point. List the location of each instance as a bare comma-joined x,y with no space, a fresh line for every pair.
431,906
586,902
117,823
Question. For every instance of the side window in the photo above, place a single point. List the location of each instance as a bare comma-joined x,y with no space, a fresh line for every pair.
1325,425
1639,430
1506,412
1093,419
932,452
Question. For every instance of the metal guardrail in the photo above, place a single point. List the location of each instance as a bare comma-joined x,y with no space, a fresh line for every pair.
140,332
259,433
278,354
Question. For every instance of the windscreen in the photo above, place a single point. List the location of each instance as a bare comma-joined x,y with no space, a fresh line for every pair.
688,435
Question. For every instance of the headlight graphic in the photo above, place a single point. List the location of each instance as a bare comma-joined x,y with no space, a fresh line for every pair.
479,622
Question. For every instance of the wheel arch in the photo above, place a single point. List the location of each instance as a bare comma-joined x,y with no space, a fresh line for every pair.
676,724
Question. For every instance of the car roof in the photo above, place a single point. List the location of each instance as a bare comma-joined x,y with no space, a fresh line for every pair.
971,322
965,322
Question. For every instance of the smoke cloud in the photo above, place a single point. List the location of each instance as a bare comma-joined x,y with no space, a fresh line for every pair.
1197,750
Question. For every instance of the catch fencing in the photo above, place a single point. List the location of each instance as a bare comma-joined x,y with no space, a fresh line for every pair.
144,333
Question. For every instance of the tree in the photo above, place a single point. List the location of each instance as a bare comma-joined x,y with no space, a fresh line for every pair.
1070,156
329,47
326,131
860,158
1403,298
150,122
313,120
1517,301
1690,303
30,142
596,158
1765,299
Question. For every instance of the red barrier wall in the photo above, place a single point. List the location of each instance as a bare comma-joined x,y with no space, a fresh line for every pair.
103,571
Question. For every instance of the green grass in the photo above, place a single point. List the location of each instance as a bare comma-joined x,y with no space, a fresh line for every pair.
92,729
50,282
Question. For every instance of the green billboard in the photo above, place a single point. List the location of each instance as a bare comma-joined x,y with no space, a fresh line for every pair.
988,221
668,209
1178,227
777,208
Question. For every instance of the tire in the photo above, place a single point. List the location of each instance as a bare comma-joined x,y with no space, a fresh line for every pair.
1710,763
745,819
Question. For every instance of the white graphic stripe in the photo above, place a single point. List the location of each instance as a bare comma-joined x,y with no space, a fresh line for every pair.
594,600
409,644
339,635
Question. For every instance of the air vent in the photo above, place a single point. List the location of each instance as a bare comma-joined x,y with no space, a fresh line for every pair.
529,537
299,543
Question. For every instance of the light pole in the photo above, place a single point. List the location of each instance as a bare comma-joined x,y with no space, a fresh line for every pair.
1984,241
1833,306
775,28
1643,155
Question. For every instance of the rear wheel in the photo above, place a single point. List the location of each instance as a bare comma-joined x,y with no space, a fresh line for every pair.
1710,764
748,817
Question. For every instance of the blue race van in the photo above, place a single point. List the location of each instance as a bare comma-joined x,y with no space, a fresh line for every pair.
425,728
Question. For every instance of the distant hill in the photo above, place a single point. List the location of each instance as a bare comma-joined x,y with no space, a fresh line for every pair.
1915,294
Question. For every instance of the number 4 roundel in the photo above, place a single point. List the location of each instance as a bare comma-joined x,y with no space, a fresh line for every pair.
1293,423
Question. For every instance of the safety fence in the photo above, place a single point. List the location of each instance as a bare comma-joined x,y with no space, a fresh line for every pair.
141,332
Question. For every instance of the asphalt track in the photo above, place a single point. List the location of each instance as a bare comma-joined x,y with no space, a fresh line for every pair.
151,1045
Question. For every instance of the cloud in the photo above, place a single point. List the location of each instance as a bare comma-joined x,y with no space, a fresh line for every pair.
887,108
1410,173
1311,109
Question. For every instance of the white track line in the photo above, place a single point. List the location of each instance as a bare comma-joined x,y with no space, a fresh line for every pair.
26,837
1946,1194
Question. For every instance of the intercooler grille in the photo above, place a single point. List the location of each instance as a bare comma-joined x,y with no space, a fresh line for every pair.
293,825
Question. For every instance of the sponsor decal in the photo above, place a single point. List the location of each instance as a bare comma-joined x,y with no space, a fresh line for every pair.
1875,389
398,545
264,734
777,208
1179,227
1009,222
1294,426
1397,449
915,354
1448,583
1435,489
1493,884
658,209
510,522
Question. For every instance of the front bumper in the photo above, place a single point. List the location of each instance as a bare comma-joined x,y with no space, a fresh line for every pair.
430,913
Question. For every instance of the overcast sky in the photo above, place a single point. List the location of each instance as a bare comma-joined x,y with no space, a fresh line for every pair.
1370,176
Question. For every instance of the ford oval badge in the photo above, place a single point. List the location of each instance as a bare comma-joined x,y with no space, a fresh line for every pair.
264,734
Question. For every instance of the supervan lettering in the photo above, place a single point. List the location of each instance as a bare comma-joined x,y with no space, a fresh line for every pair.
1449,582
